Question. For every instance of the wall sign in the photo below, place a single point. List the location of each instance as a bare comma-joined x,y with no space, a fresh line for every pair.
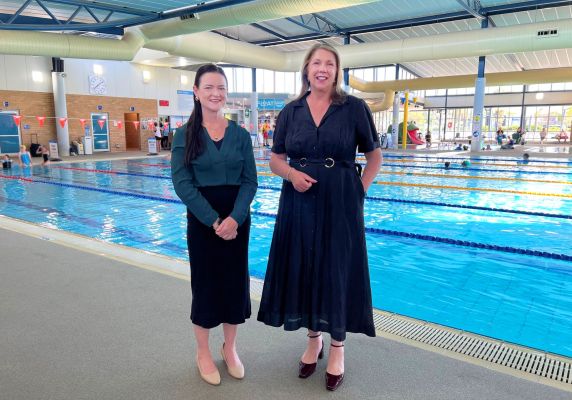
99,108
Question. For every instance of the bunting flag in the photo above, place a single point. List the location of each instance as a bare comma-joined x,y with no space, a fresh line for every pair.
179,124
101,123
63,121
17,119
120,124
41,120
136,123
82,122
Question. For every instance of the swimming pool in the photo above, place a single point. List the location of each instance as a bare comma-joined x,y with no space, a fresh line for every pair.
484,249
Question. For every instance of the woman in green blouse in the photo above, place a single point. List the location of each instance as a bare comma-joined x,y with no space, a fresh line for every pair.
214,174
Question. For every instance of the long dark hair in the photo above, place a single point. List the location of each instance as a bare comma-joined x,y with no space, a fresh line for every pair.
194,145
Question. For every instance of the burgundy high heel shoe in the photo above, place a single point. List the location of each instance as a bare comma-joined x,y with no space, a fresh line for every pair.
305,370
334,381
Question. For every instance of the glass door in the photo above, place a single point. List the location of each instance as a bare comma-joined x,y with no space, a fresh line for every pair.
100,126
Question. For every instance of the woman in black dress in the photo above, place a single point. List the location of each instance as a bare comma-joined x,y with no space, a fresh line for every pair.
214,174
317,275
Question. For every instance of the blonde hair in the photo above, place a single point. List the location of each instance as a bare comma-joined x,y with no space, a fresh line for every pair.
338,95
23,147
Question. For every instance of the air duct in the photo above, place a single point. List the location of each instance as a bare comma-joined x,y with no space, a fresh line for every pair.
70,46
520,38
258,11
550,75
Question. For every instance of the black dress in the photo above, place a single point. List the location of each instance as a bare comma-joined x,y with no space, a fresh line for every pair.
317,275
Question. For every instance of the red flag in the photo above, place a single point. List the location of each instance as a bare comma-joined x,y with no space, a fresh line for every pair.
179,124
82,122
17,119
101,123
151,125
41,120
120,124
136,123
63,121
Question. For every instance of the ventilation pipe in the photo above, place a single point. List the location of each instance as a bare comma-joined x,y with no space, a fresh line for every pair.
550,75
258,11
70,46
480,42
211,47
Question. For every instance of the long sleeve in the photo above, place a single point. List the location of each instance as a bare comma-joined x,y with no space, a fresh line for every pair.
184,185
249,180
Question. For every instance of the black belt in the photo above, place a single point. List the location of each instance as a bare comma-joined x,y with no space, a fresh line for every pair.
326,162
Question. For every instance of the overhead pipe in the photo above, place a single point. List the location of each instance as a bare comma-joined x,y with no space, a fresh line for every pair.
258,11
549,75
70,46
212,47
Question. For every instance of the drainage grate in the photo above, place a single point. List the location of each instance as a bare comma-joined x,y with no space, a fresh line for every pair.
507,355
510,356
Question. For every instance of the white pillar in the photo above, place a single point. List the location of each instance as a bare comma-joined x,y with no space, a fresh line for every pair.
478,105
395,123
58,83
254,116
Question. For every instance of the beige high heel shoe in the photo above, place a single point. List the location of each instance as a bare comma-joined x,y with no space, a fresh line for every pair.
236,372
213,378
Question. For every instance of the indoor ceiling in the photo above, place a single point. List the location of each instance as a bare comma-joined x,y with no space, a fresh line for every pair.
378,22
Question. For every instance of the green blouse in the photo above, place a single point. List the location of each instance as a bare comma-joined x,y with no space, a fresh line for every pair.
233,164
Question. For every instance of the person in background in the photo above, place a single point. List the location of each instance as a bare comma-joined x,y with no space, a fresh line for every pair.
318,276
428,139
6,162
43,150
158,135
542,135
24,157
500,136
214,174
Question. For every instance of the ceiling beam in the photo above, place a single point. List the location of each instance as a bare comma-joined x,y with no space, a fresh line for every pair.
473,7
268,30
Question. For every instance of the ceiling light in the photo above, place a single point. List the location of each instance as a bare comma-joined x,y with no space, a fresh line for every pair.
97,69
539,96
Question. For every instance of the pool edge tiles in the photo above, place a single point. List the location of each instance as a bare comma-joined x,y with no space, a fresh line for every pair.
128,255
500,356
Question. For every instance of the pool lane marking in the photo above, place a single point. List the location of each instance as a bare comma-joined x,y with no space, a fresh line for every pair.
491,178
463,206
507,249
470,169
95,188
463,176
519,163
424,185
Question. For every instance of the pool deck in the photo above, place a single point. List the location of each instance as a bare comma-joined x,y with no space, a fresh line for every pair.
79,321
79,325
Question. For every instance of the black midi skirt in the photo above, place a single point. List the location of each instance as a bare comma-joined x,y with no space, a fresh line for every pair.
219,268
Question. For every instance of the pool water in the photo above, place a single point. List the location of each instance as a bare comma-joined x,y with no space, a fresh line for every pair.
430,258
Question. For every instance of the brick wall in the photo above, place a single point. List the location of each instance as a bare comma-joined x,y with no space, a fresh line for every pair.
31,104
